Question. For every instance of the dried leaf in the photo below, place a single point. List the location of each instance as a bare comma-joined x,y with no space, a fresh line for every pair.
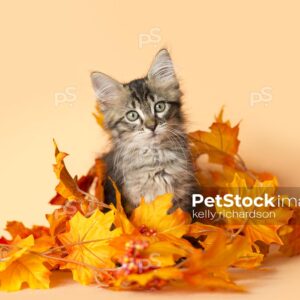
87,244
67,186
22,266
291,235
209,268
153,217
262,227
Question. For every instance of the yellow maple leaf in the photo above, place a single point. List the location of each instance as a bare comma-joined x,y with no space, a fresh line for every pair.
152,279
23,266
87,244
154,220
15,249
153,217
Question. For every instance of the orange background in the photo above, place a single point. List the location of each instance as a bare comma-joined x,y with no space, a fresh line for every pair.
226,52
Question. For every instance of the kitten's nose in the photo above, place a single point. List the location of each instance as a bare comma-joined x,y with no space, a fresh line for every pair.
150,124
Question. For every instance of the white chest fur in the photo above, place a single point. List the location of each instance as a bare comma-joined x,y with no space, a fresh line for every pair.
150,173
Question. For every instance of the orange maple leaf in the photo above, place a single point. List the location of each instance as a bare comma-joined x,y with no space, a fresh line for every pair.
209,268
16,228
99,117
290,235
67,186
255,228
221,143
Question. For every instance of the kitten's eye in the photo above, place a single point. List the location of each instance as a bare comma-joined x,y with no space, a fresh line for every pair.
160,106
132,115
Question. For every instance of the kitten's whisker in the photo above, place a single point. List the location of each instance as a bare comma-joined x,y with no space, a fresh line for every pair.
187,161
183,135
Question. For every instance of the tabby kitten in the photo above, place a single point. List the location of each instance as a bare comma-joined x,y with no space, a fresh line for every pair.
149,155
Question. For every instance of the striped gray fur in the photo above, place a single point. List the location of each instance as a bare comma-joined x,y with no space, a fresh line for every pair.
149,155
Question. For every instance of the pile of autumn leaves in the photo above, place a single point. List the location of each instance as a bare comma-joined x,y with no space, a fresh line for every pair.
151,248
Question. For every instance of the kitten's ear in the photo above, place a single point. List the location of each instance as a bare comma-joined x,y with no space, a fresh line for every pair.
106,88
162,69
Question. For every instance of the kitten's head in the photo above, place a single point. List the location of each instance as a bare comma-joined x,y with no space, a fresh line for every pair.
143,110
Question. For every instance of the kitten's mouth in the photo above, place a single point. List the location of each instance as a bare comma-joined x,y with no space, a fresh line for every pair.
152,136
155,135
